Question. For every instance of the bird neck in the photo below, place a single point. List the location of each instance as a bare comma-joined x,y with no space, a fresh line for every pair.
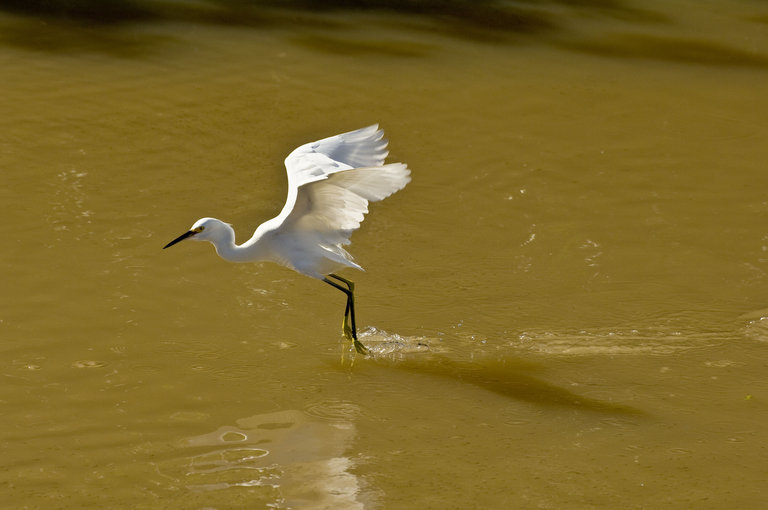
225,245
250,251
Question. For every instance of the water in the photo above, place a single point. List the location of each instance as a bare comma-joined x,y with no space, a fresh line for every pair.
566,306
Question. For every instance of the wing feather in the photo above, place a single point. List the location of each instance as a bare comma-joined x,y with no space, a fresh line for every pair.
355,149
336,205
330,183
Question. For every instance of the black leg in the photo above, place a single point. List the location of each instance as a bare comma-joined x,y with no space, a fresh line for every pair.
349,326
349,312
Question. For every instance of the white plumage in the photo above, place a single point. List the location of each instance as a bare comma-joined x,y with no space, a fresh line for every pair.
330,183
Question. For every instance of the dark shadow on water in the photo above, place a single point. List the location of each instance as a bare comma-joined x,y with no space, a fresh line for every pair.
76,38
485,20
118,27
511,378
479,19
671,49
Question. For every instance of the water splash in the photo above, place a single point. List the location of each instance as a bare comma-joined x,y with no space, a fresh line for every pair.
382,344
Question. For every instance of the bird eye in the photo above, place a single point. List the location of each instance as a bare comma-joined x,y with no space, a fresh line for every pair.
198,229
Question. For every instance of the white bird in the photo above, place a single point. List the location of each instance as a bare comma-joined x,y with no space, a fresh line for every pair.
330,183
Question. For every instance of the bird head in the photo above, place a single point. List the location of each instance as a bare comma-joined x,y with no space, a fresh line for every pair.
204,229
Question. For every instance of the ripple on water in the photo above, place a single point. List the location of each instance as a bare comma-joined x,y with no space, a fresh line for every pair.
227,460
610,342
283,459
757,328
88,363
334,410
189,416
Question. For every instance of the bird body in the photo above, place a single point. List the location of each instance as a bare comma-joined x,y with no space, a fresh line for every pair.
330,183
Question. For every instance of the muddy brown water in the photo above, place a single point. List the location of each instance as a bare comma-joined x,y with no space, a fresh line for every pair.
567,307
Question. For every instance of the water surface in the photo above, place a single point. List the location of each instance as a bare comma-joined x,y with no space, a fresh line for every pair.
567,305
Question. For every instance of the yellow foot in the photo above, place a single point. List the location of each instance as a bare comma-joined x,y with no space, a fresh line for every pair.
350,335
347,330
359,347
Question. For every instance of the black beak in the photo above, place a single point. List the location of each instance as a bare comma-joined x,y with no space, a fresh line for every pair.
180,238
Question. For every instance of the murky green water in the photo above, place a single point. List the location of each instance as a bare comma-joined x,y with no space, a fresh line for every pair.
567,305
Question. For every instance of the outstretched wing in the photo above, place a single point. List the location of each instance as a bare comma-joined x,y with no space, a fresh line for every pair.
335,206
316,160
330,183
326,212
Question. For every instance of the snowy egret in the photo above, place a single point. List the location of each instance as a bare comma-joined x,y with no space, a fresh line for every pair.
330,183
